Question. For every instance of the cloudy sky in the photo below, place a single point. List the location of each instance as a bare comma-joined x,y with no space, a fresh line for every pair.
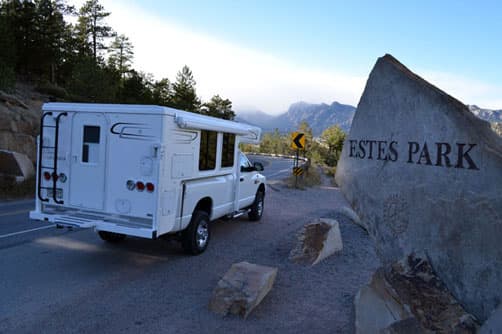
265,55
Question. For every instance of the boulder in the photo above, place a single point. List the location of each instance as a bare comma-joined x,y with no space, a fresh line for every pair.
424,175
494,323
377,306
350,214
408,297
16,165
242,288
317,241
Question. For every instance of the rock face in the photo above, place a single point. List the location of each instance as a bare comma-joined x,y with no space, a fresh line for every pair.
494,323
425,174
317,241
407,297
20,120
242,288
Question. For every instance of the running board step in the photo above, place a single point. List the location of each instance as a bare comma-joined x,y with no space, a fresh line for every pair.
239,213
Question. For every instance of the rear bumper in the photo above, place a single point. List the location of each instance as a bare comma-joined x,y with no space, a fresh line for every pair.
78,220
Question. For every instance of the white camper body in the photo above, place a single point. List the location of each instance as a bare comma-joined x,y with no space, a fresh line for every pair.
142,170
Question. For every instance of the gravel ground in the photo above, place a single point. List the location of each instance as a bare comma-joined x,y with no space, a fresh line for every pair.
150,287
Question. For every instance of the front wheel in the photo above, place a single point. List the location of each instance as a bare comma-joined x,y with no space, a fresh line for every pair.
256,210
195,237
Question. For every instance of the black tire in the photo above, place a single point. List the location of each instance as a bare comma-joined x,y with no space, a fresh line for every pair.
256,210
195,237
111,236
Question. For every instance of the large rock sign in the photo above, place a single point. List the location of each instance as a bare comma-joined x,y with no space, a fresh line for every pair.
424,174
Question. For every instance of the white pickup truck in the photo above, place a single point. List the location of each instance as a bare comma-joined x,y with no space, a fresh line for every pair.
144,171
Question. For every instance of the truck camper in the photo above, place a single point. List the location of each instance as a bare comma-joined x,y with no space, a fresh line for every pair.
144,171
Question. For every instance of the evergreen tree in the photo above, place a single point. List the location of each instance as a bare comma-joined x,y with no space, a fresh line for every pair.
121,55
136,89
162,92
50,37
92,29
7,54
333,137
305,128
218,107
184,95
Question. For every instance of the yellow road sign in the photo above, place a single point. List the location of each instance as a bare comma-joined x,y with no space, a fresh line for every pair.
298,140
297,171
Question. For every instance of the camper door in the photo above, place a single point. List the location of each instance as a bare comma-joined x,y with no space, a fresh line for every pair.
88,160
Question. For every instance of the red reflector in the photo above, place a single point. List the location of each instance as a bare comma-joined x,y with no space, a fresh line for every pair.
47,176
150,187
140,185
55,176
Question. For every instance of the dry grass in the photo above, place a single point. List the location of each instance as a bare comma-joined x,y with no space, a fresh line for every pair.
308,179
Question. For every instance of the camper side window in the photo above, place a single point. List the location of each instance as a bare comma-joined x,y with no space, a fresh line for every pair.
90,144
228,150
207,151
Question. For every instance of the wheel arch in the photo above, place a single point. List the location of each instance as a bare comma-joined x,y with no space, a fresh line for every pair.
261,188
205,204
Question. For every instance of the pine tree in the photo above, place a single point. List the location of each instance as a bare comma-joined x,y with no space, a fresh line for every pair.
7,55
184,95
121,55
162,92
333,137
218,107
91,28
50,37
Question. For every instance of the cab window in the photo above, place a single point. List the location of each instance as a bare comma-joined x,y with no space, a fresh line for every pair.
207,151
228,149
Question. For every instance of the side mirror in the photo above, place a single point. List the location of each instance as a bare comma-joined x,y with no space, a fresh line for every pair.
258,166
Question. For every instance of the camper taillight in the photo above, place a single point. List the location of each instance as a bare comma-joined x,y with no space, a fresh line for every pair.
150,187
140,186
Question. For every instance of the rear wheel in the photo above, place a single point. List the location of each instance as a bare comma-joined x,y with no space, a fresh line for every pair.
195,237
256,210
111,236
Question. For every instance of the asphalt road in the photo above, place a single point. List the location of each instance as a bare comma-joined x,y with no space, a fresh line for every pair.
69,281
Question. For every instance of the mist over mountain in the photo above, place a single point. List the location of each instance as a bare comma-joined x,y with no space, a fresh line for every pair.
318,116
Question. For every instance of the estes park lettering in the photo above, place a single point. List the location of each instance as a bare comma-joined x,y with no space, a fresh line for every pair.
441,154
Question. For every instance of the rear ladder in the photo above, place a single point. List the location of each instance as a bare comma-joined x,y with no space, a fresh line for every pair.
54,167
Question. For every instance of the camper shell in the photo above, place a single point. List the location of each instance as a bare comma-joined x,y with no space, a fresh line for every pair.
143,171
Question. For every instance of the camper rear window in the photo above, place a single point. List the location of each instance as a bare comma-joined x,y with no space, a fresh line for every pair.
227,156
90,145
207,152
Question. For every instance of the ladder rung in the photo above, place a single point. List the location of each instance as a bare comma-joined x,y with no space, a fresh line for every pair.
48,126
45,167
48,146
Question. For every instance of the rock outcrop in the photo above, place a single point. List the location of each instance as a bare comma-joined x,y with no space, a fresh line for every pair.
20,120
425,175
242,288
316,241
408,297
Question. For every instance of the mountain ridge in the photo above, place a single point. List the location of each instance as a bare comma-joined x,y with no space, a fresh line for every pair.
318,116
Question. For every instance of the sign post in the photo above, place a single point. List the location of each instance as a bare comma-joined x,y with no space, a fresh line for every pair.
297,144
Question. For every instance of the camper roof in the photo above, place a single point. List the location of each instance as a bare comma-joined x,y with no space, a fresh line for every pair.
183,119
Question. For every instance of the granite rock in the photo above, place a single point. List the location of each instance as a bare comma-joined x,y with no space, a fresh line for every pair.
242,288
316,241
424,175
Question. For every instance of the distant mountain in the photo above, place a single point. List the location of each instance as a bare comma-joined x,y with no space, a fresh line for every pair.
318,116
486,114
